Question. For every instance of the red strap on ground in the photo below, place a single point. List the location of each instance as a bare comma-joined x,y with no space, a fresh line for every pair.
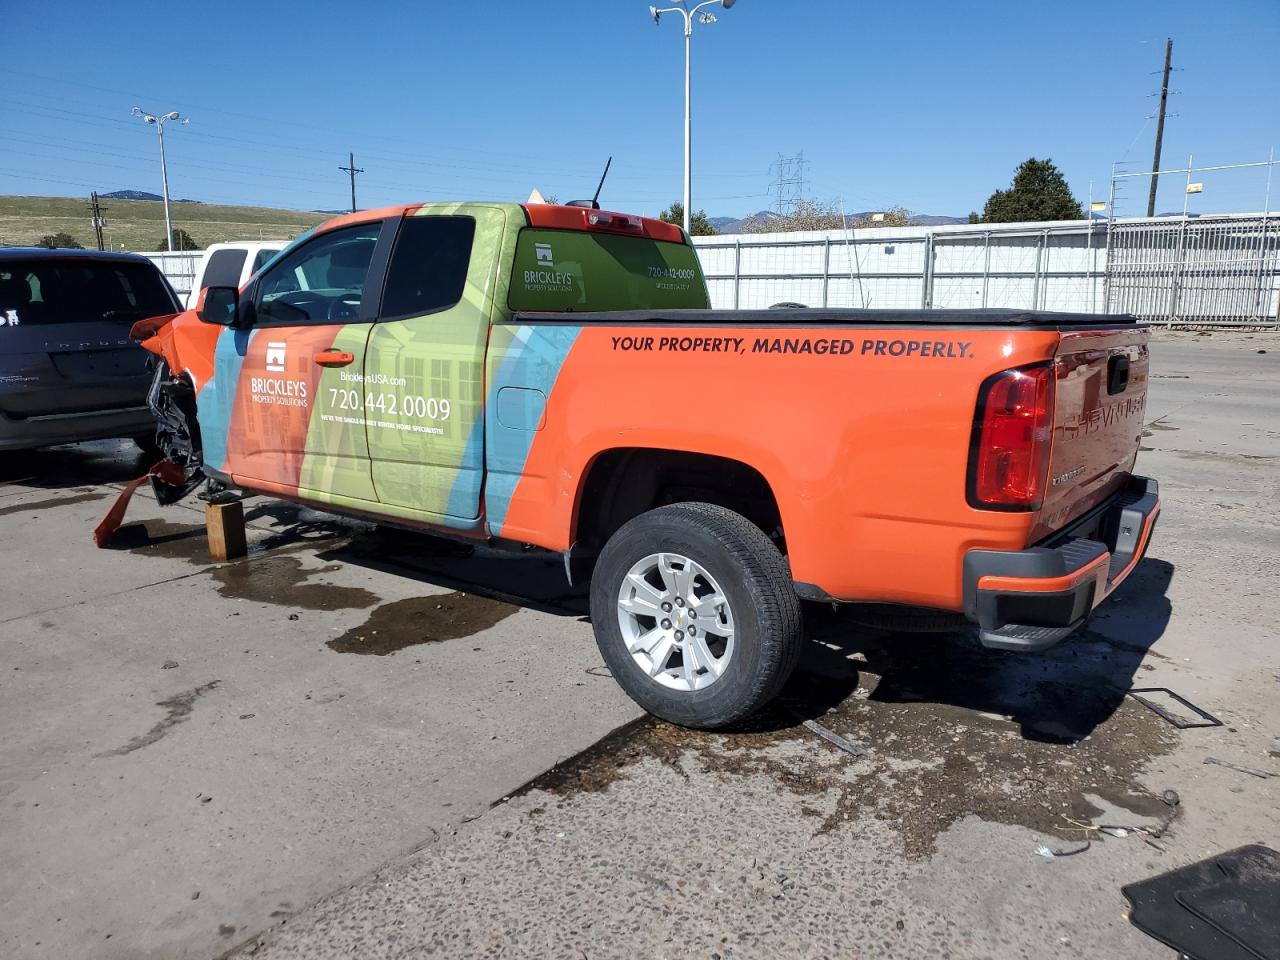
165,470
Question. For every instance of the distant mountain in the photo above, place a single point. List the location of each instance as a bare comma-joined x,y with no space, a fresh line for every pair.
130,195
140,195
743,224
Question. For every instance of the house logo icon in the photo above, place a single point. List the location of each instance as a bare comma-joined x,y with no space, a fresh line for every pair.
275,356
545,258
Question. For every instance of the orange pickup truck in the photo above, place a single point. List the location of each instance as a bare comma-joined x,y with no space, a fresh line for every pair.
551,375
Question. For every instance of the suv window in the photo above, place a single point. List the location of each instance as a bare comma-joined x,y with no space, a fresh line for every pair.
46,292
428,266
223,269
320,282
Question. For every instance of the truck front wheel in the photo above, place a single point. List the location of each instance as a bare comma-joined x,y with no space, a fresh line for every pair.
695,614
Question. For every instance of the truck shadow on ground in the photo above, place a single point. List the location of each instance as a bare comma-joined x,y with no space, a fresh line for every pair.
1060,695
72,465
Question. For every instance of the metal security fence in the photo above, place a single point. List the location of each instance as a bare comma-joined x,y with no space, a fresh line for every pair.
179,269
1219,271
1219,275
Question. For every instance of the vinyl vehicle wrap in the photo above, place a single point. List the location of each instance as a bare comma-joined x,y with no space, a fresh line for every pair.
552,376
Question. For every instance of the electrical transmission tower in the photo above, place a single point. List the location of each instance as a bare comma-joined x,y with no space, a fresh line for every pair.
789,183
351,169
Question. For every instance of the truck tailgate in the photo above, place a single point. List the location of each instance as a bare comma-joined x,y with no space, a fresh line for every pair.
1100,398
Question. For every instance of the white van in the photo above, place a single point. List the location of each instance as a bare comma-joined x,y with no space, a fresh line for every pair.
231,264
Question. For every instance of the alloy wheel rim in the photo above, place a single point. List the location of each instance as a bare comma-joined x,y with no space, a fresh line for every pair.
676,621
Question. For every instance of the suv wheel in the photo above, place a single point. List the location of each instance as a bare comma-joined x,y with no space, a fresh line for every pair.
695,613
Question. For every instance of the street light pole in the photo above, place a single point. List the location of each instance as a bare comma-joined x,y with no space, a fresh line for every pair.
688,94
159,122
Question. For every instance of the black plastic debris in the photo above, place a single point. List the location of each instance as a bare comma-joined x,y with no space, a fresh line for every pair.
1223,908
1205,719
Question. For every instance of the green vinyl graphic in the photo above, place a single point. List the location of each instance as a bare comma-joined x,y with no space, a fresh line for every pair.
562,270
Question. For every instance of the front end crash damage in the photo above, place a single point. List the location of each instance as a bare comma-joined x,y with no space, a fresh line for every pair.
172,400
173,403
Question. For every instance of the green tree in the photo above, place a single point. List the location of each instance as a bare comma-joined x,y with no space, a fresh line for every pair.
60,239
181,241
1039,192
699,225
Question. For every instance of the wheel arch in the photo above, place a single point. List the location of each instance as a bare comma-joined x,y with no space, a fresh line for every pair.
620,483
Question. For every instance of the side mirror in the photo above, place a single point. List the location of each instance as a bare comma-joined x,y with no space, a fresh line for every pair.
220,305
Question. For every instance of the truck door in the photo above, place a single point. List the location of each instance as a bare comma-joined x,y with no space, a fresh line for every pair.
296,424
424,368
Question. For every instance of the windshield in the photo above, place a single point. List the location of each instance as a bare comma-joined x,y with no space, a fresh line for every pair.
39,292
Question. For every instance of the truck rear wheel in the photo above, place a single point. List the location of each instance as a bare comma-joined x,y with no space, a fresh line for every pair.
695,613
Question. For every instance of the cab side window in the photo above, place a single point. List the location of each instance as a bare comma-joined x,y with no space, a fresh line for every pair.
428,266
320,282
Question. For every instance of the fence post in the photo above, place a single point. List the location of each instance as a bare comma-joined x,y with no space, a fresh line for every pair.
1177,272
986,265
926,287
737,270
826,269
1035,284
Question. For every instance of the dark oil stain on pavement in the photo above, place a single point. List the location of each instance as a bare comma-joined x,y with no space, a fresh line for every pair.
284,581
177,710
406,623
37,505
275,578
951,730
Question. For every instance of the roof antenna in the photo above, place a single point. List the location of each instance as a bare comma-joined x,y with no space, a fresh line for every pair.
593,203
594,200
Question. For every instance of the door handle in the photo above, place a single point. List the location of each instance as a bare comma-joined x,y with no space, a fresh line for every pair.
334,358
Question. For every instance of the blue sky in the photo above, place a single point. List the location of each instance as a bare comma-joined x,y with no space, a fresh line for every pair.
928,105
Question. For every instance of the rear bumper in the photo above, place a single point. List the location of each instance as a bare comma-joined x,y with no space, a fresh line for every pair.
30,432
1031,599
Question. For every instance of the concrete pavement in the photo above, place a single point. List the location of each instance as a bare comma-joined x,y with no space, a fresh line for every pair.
324,783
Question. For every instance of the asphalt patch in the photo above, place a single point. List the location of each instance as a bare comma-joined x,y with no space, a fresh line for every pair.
416,620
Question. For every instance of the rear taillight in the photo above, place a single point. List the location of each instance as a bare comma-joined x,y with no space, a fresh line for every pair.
1009,455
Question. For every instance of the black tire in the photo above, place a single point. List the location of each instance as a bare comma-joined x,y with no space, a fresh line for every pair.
752,575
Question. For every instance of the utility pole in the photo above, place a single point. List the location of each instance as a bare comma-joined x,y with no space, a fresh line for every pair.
1164,99
352,170
98,221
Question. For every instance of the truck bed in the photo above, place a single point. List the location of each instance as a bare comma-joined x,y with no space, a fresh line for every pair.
840,316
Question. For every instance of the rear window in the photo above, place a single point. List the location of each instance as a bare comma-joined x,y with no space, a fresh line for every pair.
223,269
565,270
39,292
